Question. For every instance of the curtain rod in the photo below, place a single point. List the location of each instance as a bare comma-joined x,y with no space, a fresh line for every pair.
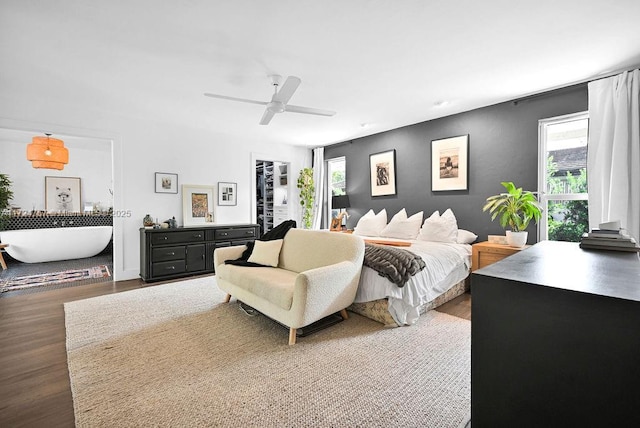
572,85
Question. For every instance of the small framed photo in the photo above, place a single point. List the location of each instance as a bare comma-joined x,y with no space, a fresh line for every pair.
382,167
198,205
450,164
227,193
62,194
166,182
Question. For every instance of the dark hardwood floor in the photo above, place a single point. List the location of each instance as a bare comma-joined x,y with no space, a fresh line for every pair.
34,380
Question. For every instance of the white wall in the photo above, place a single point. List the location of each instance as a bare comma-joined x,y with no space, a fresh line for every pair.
141,147
89,159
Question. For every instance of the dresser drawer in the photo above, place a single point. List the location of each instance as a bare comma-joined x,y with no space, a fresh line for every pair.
168,268
162,254
177,237
235,233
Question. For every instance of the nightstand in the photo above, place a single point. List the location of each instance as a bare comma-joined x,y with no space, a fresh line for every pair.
486,253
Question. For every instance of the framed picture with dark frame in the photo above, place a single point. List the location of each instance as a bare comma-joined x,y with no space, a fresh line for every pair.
62,194
450,164
227,193
382,167
198,205
166,182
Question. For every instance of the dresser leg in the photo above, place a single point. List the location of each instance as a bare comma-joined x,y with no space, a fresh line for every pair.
227,298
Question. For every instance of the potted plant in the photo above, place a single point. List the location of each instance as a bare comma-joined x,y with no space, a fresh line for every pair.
307,195
5,196
515,208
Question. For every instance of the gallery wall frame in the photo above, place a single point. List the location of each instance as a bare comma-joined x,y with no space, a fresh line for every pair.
227,193
62,194
166,182
198,205
450,164
382,167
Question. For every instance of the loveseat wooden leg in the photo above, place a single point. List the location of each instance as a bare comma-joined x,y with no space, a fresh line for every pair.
344,314
292,336
227,298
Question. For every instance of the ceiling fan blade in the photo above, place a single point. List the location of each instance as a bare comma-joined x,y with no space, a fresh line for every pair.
243,100
266,117
308,110
286,91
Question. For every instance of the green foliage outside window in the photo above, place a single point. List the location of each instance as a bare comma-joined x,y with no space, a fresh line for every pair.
5,196
574,214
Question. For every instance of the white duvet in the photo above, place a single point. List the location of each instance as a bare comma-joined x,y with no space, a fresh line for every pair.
446,265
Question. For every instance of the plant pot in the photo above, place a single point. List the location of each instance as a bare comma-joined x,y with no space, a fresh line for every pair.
517,239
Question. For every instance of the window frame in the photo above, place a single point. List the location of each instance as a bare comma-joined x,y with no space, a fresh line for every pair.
543,196
329,192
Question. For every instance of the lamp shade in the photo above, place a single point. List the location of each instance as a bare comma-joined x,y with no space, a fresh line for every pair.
47,152
341,201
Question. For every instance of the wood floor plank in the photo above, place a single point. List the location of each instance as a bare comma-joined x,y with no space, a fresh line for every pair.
34,380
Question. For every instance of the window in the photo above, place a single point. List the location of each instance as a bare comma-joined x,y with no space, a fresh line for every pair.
562,176
337,182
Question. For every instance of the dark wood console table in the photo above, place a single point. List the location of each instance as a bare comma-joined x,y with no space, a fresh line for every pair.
175,253
555,339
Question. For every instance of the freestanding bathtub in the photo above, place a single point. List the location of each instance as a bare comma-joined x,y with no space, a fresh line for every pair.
59,243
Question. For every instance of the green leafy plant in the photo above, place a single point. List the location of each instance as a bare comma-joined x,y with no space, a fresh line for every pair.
5,196
515,208
307,195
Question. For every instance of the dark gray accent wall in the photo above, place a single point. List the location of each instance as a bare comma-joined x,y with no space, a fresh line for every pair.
503,146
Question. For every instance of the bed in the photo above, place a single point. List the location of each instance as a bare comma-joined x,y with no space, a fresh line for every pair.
444,277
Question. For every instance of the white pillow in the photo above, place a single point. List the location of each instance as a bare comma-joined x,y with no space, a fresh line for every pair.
401,227
370,224
266,252
466,237
440,228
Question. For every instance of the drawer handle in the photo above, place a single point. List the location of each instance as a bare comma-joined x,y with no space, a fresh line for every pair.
165,238
224,233
171,254
249,232
197,236
170,268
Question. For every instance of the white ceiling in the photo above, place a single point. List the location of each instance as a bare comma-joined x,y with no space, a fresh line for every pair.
379,64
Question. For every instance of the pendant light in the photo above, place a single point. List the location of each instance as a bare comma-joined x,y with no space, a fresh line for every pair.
47,153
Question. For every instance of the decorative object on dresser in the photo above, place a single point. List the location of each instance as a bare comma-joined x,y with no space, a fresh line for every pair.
166,182
450,164
174,253
515,209
198,205
609,236
340,202
62,194
227,193
485,253
382,169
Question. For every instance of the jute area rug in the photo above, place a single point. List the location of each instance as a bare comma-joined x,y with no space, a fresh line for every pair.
174,355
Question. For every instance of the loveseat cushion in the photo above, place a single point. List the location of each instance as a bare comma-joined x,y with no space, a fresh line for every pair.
271,284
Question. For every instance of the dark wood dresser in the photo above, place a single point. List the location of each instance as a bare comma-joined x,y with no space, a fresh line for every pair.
175,253
555,339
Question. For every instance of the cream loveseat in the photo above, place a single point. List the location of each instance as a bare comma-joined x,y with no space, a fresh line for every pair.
317,275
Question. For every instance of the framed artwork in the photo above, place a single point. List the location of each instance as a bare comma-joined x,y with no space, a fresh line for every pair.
382,167
227,193
198,205
62,194
166,182
450,164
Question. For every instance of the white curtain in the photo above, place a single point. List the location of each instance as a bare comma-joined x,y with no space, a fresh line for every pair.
318,180
613,161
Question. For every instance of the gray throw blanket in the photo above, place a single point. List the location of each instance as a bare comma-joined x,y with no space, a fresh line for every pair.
396,264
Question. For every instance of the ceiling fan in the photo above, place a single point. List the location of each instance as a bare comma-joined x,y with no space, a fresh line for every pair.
279,100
